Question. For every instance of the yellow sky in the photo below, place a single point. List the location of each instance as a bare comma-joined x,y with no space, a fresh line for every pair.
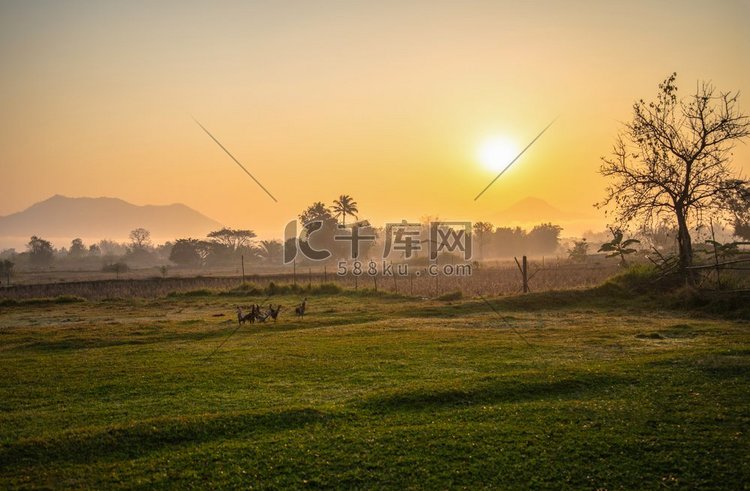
385,101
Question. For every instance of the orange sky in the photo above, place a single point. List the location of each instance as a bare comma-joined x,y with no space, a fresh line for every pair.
386,101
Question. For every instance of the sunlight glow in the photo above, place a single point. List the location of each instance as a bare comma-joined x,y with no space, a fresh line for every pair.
497,152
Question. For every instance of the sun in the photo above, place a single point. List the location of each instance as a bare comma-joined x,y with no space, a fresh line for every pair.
496,153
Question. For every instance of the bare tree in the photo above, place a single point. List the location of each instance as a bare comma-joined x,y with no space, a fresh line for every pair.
672,161
140,238
482,230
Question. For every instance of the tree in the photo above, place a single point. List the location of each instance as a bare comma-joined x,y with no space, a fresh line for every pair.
140,239
742,230
186,252
41,252
507,241
117,268
739,206
232,239
77,249
544,238
6,270
111,248
482,231
271,251
618,247
344,206
579,251
672,160
316,211
662,236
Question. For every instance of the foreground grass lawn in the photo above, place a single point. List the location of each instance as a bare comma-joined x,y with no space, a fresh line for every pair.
371,391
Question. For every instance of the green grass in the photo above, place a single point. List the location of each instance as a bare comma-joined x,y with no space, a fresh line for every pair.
558,390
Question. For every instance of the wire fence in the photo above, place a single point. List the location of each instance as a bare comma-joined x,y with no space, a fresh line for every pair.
427,281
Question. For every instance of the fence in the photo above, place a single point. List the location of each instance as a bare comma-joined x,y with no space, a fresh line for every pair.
500,279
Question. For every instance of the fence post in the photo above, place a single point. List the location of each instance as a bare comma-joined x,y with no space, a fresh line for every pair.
716,256
525,274
523,268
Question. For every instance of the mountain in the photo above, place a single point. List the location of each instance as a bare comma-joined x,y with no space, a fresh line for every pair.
537,210
61,217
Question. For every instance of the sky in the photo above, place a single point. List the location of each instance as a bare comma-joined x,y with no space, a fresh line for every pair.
388,101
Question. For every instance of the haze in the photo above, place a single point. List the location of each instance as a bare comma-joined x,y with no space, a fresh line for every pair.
384,101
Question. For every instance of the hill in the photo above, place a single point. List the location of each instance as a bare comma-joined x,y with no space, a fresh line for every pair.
531,209
61,217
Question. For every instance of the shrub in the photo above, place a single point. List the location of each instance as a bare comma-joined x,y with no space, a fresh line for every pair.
637,278
325,288
447,297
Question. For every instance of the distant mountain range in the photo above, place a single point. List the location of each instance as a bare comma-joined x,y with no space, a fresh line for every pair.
62,217
537,210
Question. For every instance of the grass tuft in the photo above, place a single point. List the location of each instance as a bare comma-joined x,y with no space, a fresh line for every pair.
451,296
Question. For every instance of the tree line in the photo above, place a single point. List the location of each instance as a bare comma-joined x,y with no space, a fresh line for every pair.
228,246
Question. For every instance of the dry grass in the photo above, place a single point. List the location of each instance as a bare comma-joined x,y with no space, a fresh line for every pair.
497,279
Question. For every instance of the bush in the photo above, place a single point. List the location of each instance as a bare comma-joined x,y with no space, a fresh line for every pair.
274,289
118,267
201,292
62,299
638,278
448,297
325,288
248,288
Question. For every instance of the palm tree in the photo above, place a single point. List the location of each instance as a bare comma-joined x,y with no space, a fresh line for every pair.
271,251
344,206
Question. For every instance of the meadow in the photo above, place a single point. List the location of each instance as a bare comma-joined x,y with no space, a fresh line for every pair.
589,389
489,278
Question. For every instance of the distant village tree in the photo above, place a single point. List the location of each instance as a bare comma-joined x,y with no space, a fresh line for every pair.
6,270
187,252
232,239
672,162
77,249
41,252
579,251
140,239
661,237
271,251
544,238
482,230
111,248
739,205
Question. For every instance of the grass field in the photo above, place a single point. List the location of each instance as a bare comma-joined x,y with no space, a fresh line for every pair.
375,391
